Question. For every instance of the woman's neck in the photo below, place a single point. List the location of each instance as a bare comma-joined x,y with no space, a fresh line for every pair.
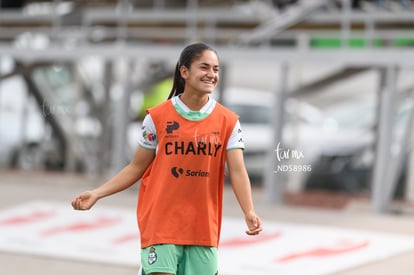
194,102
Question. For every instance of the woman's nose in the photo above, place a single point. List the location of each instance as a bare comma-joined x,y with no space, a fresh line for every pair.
211,73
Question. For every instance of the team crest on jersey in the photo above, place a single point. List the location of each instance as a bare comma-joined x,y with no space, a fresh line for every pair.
152,256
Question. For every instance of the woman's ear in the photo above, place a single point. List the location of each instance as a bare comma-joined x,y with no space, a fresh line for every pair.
184,72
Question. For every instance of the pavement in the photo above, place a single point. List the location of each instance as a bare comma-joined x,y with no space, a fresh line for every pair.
18,187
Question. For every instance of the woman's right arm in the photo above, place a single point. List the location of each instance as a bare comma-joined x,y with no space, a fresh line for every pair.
129,175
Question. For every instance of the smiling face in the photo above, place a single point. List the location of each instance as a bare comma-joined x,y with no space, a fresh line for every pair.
203,75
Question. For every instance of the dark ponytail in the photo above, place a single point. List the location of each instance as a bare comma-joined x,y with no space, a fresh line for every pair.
178,84
188,55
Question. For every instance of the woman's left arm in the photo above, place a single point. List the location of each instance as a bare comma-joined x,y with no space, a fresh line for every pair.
241,187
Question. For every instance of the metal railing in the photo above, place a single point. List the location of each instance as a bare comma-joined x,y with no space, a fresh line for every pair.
236,25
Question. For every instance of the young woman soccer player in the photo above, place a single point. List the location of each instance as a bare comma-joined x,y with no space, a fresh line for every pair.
184,146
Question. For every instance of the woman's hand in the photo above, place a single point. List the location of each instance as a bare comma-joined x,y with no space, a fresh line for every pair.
85,201
254,224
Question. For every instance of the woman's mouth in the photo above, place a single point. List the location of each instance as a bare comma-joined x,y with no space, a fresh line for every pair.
209,82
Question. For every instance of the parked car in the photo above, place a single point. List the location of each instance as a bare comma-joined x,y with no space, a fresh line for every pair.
306,129
349,168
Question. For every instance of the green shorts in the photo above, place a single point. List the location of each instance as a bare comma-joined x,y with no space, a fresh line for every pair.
179,259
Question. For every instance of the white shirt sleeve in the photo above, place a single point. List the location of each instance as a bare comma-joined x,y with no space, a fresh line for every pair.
148,138
236,138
